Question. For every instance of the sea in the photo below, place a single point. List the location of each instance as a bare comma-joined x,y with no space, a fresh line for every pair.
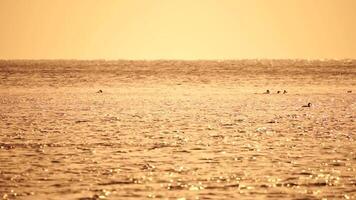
171,129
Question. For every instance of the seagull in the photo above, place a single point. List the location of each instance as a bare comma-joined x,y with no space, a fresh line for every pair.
278,92
99,91
284,91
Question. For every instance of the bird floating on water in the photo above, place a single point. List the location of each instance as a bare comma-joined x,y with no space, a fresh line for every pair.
307,106
267,92
284,91
99,91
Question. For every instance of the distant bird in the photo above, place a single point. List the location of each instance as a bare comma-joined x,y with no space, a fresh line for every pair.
278,92
99,91
349,91
267,92
307,106
284,91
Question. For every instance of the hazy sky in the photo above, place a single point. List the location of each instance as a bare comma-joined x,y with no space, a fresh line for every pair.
177,29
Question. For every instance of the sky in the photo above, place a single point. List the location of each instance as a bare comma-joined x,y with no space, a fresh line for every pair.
177,29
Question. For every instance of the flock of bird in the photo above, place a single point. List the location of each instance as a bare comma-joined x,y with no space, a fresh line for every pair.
285,92
304,106
267,92
278,92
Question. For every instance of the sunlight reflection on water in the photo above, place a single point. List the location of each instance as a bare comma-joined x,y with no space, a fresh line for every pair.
182,141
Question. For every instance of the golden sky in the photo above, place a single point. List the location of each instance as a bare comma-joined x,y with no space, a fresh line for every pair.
177,29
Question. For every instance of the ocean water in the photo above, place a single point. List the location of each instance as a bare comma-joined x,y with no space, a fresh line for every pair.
177,129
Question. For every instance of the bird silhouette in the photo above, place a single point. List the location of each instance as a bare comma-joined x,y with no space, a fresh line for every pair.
307,106
267,92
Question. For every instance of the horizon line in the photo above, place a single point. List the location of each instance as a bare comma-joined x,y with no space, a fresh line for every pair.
168,59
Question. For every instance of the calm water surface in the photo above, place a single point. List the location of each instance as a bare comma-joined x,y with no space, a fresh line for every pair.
177,130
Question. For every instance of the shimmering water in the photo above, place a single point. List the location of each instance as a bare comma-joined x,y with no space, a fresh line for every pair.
177,130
